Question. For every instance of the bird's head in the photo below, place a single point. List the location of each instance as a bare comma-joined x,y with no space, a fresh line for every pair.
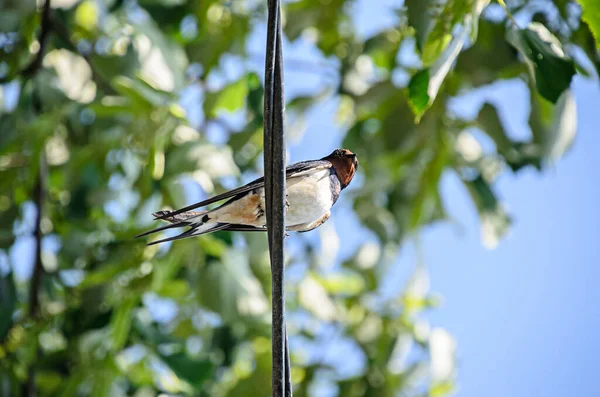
345,165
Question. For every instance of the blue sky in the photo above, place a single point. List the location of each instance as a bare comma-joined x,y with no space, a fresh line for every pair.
525,314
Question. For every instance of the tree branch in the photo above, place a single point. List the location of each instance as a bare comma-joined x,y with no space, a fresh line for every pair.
39,196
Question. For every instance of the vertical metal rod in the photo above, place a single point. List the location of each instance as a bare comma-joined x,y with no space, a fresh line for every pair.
274,164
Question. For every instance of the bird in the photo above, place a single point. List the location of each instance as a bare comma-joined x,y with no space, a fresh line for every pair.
312,188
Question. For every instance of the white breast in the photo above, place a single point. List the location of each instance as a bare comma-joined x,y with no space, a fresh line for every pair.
309,197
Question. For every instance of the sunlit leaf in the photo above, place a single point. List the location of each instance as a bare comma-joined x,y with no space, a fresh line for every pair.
434,21
231,98
477,9
86,15
141,93
163,61
591,14
345,283
417,93
313,296
429,81
421,16
48,381
175,289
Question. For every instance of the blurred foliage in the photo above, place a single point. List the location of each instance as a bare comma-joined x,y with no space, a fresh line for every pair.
97,129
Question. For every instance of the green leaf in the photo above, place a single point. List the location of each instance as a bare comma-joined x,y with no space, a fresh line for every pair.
439,70
490,123
434,48
425,85
564,127
163,64
591,15
100,276
313,296
230,98
421,16
142,95
418,98
74,75
490,58
111,107
86,15
551,69
105,374
478,7
495,223
553,127
139,373
120,323
516,154
326,17
345,282
193,371
383,48
231,289
216,162
434,21
422,93
482,194
175,289
442,388
48,381
255,94
426,203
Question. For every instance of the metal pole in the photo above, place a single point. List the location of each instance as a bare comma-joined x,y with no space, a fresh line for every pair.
274,164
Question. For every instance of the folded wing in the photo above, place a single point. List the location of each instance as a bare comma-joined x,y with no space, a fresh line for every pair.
294,170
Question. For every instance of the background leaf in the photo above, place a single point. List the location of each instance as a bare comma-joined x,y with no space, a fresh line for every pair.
552,69
591,14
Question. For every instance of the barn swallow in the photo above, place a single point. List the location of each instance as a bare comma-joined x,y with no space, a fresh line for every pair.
312,188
